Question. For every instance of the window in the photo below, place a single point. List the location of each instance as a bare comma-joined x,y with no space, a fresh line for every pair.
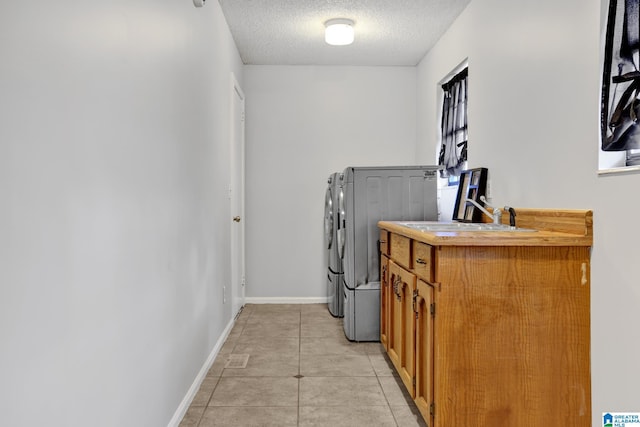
453,148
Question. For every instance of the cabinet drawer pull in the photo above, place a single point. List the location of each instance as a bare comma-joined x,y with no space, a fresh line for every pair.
421,261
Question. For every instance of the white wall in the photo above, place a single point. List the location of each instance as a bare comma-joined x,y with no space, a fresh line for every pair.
114,240
303,123
533,121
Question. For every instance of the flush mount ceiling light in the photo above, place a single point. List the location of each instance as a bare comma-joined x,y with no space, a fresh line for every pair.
339,32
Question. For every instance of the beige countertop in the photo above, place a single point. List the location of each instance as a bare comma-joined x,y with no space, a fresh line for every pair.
552,228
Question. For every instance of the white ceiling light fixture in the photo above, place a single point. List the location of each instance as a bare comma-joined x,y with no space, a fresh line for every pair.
339,32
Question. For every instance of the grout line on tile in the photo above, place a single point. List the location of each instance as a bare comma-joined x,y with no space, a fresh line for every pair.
213,391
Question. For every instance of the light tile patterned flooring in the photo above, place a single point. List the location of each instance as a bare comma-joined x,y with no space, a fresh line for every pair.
301,371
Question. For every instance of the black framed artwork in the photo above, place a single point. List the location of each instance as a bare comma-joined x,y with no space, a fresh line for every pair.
619,149
473,185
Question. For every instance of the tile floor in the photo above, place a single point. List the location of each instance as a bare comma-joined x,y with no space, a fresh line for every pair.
301,371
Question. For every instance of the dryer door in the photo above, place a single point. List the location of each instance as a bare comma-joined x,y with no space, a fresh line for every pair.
341,233
328,218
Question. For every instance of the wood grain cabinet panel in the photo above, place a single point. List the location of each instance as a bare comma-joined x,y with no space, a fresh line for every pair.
513,340
422,260
385,301
400,250
402,346
425,313
384,242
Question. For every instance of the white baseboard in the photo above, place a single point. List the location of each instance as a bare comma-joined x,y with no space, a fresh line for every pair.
286,300
191,393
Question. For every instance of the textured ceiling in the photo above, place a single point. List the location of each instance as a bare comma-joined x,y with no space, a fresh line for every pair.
291,32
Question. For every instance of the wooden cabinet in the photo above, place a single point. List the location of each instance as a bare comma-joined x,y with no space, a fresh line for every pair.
485,331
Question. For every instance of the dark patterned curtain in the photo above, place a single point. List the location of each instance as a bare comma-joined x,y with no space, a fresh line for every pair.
453,151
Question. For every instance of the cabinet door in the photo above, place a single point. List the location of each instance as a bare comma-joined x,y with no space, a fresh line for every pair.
424,349
385,300
402,339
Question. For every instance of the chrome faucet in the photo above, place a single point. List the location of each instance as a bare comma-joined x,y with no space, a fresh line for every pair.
497,213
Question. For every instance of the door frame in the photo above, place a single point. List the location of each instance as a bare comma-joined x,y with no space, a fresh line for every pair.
236,196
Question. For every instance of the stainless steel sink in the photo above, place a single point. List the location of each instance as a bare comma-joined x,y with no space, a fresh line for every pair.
434,226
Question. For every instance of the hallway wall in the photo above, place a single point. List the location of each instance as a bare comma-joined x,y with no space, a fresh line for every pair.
114,240
304,123
534,82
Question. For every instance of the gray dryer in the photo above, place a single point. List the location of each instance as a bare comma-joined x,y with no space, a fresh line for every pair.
372,194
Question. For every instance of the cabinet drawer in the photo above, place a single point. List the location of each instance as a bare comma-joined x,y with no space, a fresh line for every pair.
400,250
422,260
384,242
